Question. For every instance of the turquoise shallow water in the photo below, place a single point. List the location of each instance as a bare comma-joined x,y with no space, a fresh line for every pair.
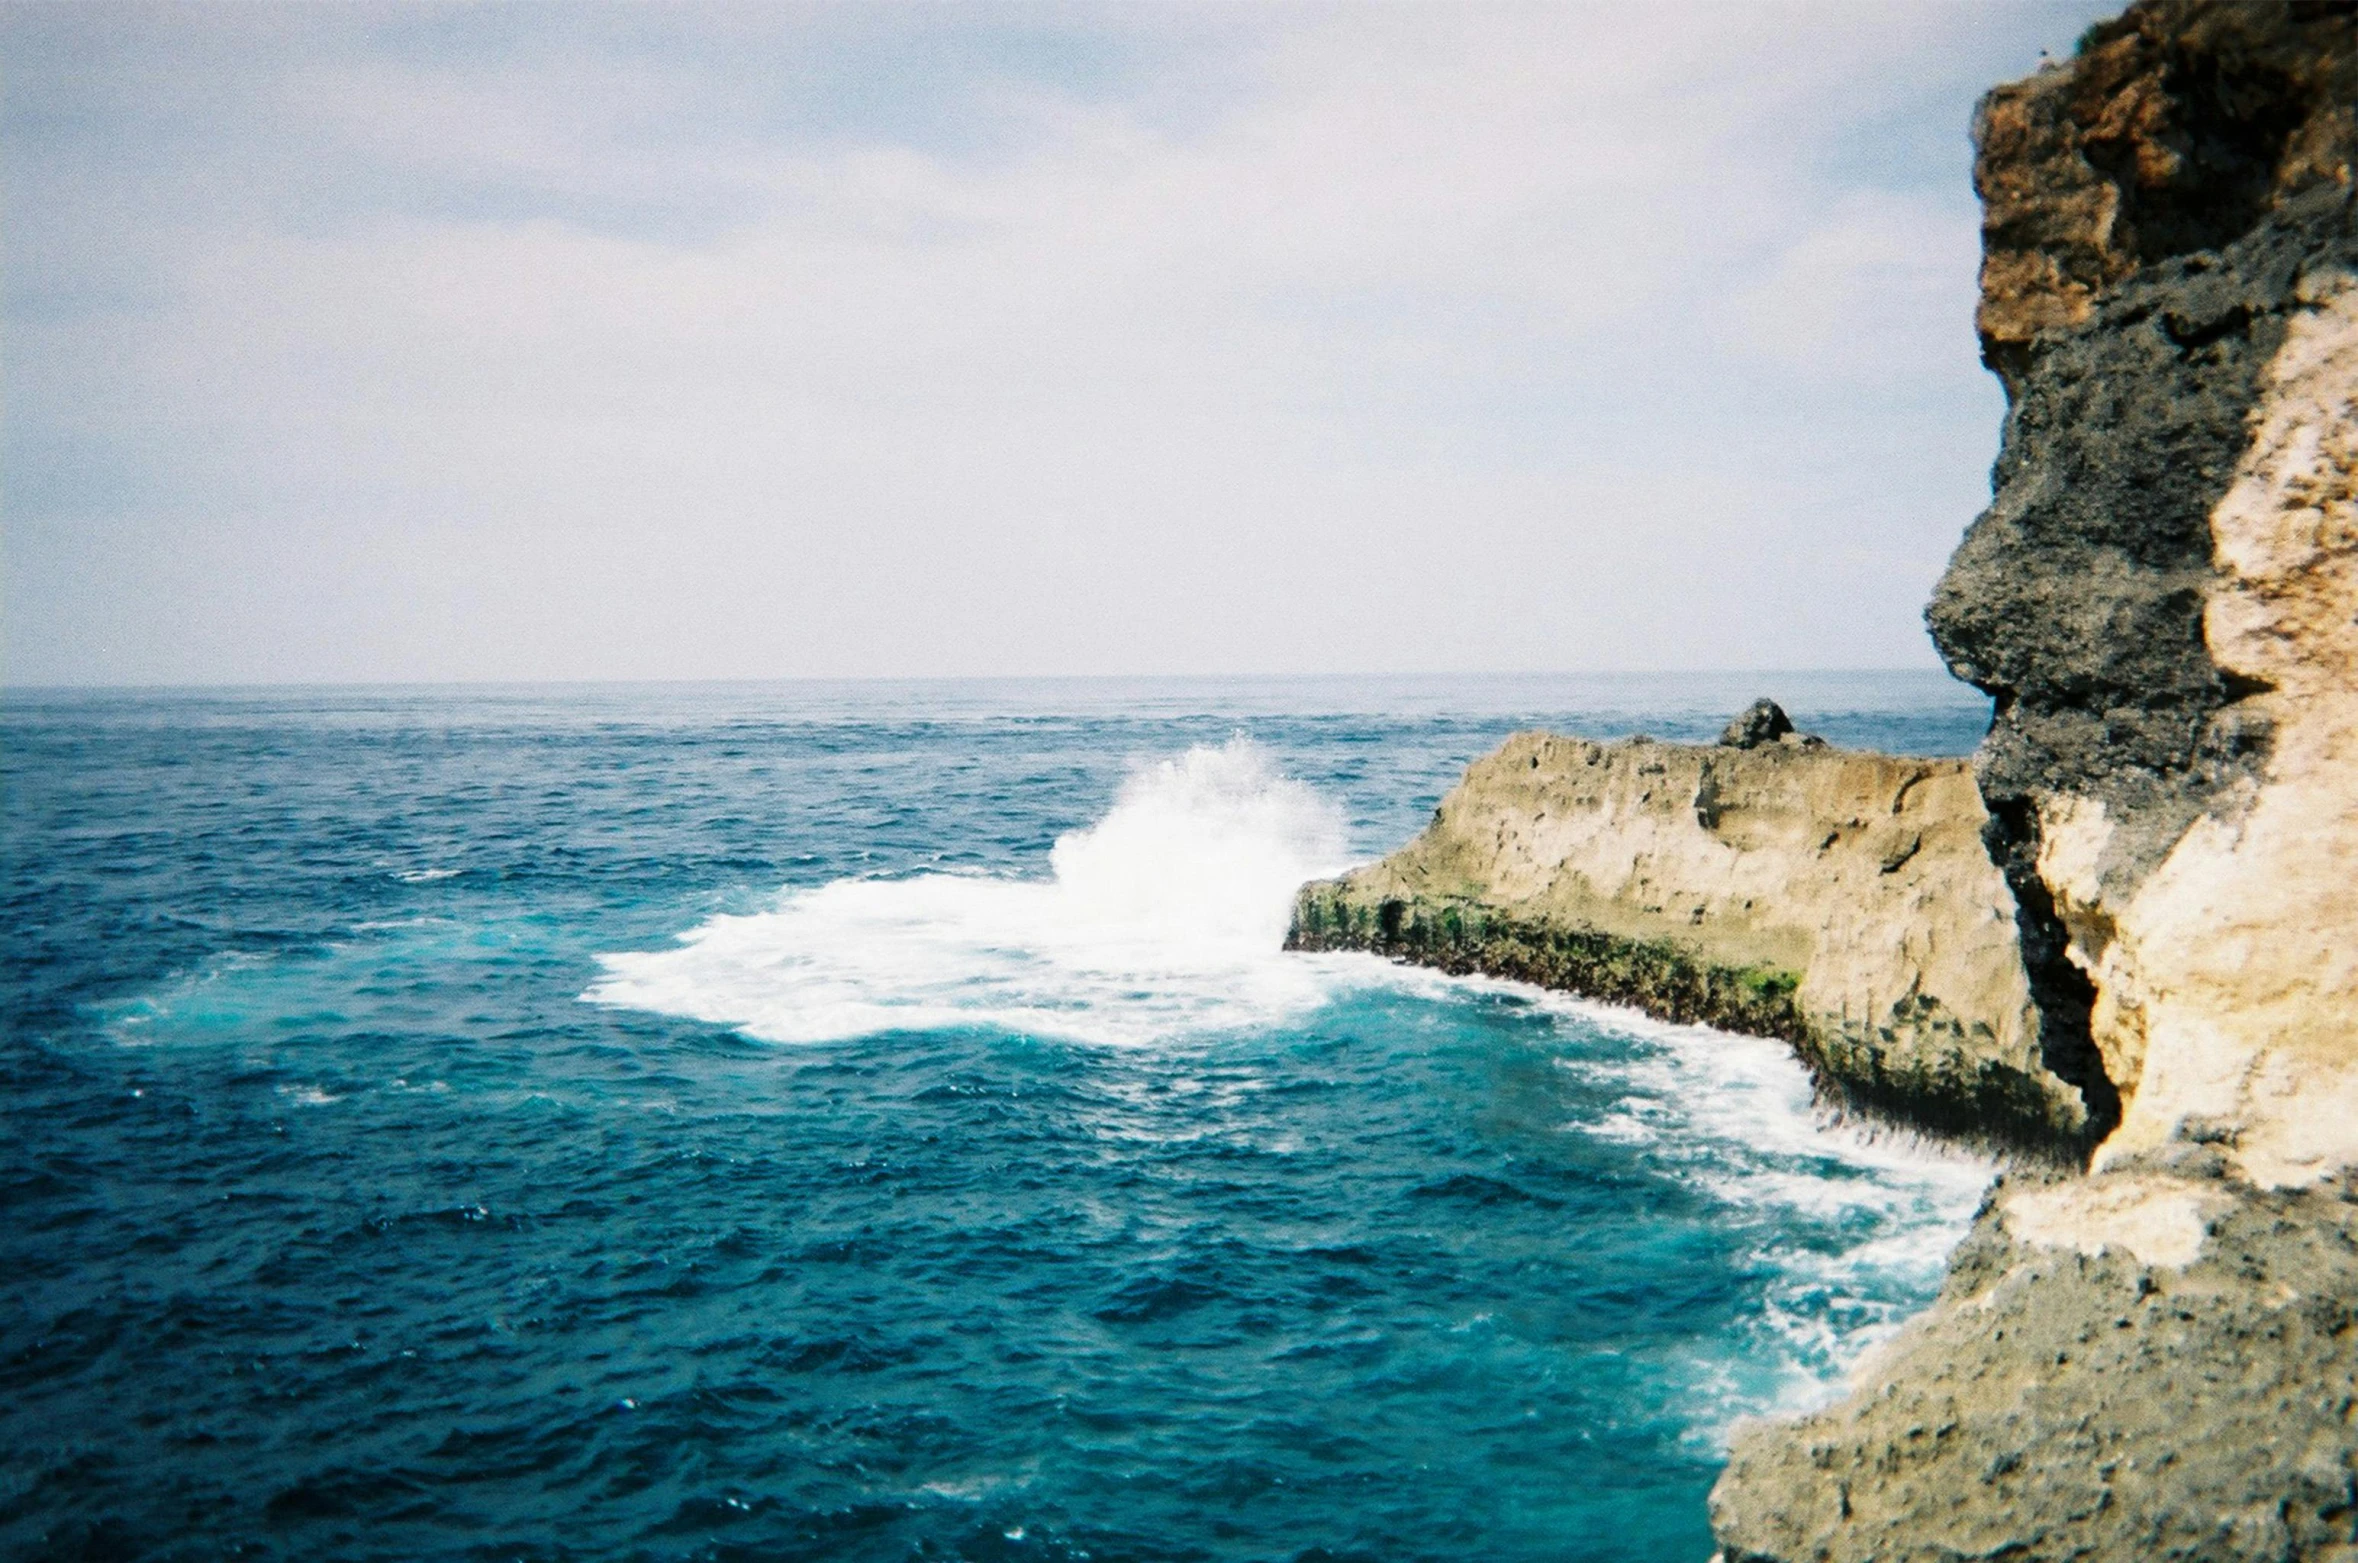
869,1122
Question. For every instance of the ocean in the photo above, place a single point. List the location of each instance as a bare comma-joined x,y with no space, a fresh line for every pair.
872,1121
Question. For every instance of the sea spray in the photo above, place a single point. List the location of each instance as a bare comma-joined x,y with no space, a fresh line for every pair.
1163,917
1844,1223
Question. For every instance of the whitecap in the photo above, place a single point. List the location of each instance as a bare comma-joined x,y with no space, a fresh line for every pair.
1851,1227
1164,918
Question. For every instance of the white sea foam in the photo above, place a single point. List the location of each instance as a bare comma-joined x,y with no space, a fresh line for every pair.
1850,1225
1165,917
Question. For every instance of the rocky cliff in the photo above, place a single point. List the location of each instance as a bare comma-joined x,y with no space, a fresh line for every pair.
2156,1360
1844,901
2168,248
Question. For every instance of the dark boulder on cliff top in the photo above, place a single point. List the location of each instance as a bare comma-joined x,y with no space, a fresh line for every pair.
1762,722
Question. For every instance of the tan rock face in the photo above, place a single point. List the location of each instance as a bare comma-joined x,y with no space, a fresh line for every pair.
2228,983
1859,881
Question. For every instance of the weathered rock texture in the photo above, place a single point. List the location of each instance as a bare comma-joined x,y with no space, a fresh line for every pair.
1842,900
2180,128
2160,596
2090,1398
2163,599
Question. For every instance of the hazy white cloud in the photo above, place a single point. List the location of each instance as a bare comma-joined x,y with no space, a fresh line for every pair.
511,342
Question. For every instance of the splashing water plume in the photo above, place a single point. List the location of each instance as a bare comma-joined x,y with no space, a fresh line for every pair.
1164,917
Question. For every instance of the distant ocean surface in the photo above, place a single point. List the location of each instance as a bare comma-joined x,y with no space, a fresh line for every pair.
871,1121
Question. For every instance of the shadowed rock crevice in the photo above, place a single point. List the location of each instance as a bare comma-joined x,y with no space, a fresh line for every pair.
2063,993
2199,167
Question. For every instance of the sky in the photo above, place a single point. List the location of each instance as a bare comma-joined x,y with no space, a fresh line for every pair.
403,343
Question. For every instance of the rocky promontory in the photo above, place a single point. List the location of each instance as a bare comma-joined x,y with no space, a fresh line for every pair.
1841,900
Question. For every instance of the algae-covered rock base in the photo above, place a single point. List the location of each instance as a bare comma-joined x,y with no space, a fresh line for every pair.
1666,978
1844,901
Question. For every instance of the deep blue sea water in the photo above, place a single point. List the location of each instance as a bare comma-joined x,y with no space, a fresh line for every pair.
870,1121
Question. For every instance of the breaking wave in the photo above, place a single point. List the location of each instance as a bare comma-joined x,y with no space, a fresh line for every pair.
1166,916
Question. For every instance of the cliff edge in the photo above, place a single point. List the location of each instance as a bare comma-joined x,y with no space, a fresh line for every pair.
2159,1359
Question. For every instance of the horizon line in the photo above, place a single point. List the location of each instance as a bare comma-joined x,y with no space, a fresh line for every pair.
232,686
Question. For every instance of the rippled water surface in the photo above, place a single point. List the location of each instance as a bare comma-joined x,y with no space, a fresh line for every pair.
869,1122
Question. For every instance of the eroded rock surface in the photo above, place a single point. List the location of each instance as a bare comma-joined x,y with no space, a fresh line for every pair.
2179,127
2168,228
2160,595
2147,1366
1842,900
2157,1360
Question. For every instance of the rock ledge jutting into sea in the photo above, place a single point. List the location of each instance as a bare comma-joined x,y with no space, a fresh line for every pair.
1844,901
